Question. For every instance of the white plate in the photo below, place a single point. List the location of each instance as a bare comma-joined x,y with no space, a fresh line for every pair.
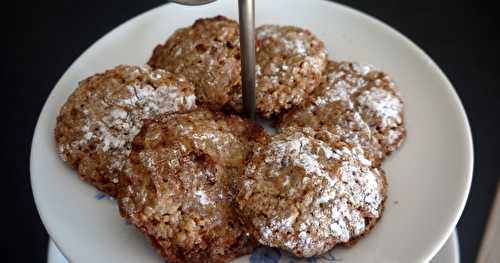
429,178
449,253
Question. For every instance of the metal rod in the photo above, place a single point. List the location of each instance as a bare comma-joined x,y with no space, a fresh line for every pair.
247,43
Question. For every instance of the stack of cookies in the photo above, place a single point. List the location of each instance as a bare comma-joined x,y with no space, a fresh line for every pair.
206,185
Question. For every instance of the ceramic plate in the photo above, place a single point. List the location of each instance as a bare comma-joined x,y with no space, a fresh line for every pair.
429,177
449,253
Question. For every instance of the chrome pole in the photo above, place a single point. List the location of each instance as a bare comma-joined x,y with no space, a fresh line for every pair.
247,43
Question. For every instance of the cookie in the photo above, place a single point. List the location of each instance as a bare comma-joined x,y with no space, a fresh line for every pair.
290,62
208,54
306,191
361,103
98,122
180,182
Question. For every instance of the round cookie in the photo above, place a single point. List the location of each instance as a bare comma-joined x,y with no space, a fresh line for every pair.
360,101
290,62
208,54
307,191
98,122
179,185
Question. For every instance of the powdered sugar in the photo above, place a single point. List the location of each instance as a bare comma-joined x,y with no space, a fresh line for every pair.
326,203
290,63
363,69
339,93
359,103
202,197
114,115
383,105
292,41
117,128
315,63
155,101
217,140
297,150
392,137
359,184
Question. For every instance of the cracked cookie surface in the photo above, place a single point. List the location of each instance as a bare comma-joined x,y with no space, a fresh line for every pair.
306,191
180,182
98,122
290,62
208,54
357,102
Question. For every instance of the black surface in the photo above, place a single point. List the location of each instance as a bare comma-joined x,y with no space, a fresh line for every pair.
41,40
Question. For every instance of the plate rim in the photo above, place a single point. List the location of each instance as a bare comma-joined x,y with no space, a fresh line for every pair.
53,251
365,16
450,89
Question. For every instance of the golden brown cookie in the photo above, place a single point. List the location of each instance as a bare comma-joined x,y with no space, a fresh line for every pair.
290,62
180,183
208,54
96,125
306,191
359,103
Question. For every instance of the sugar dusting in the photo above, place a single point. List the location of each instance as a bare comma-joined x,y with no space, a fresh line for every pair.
202,197
291,43
296,150
290,62
328,201
372,110
115,116
384,105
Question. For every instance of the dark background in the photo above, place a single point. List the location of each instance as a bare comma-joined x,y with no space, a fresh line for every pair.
41,39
